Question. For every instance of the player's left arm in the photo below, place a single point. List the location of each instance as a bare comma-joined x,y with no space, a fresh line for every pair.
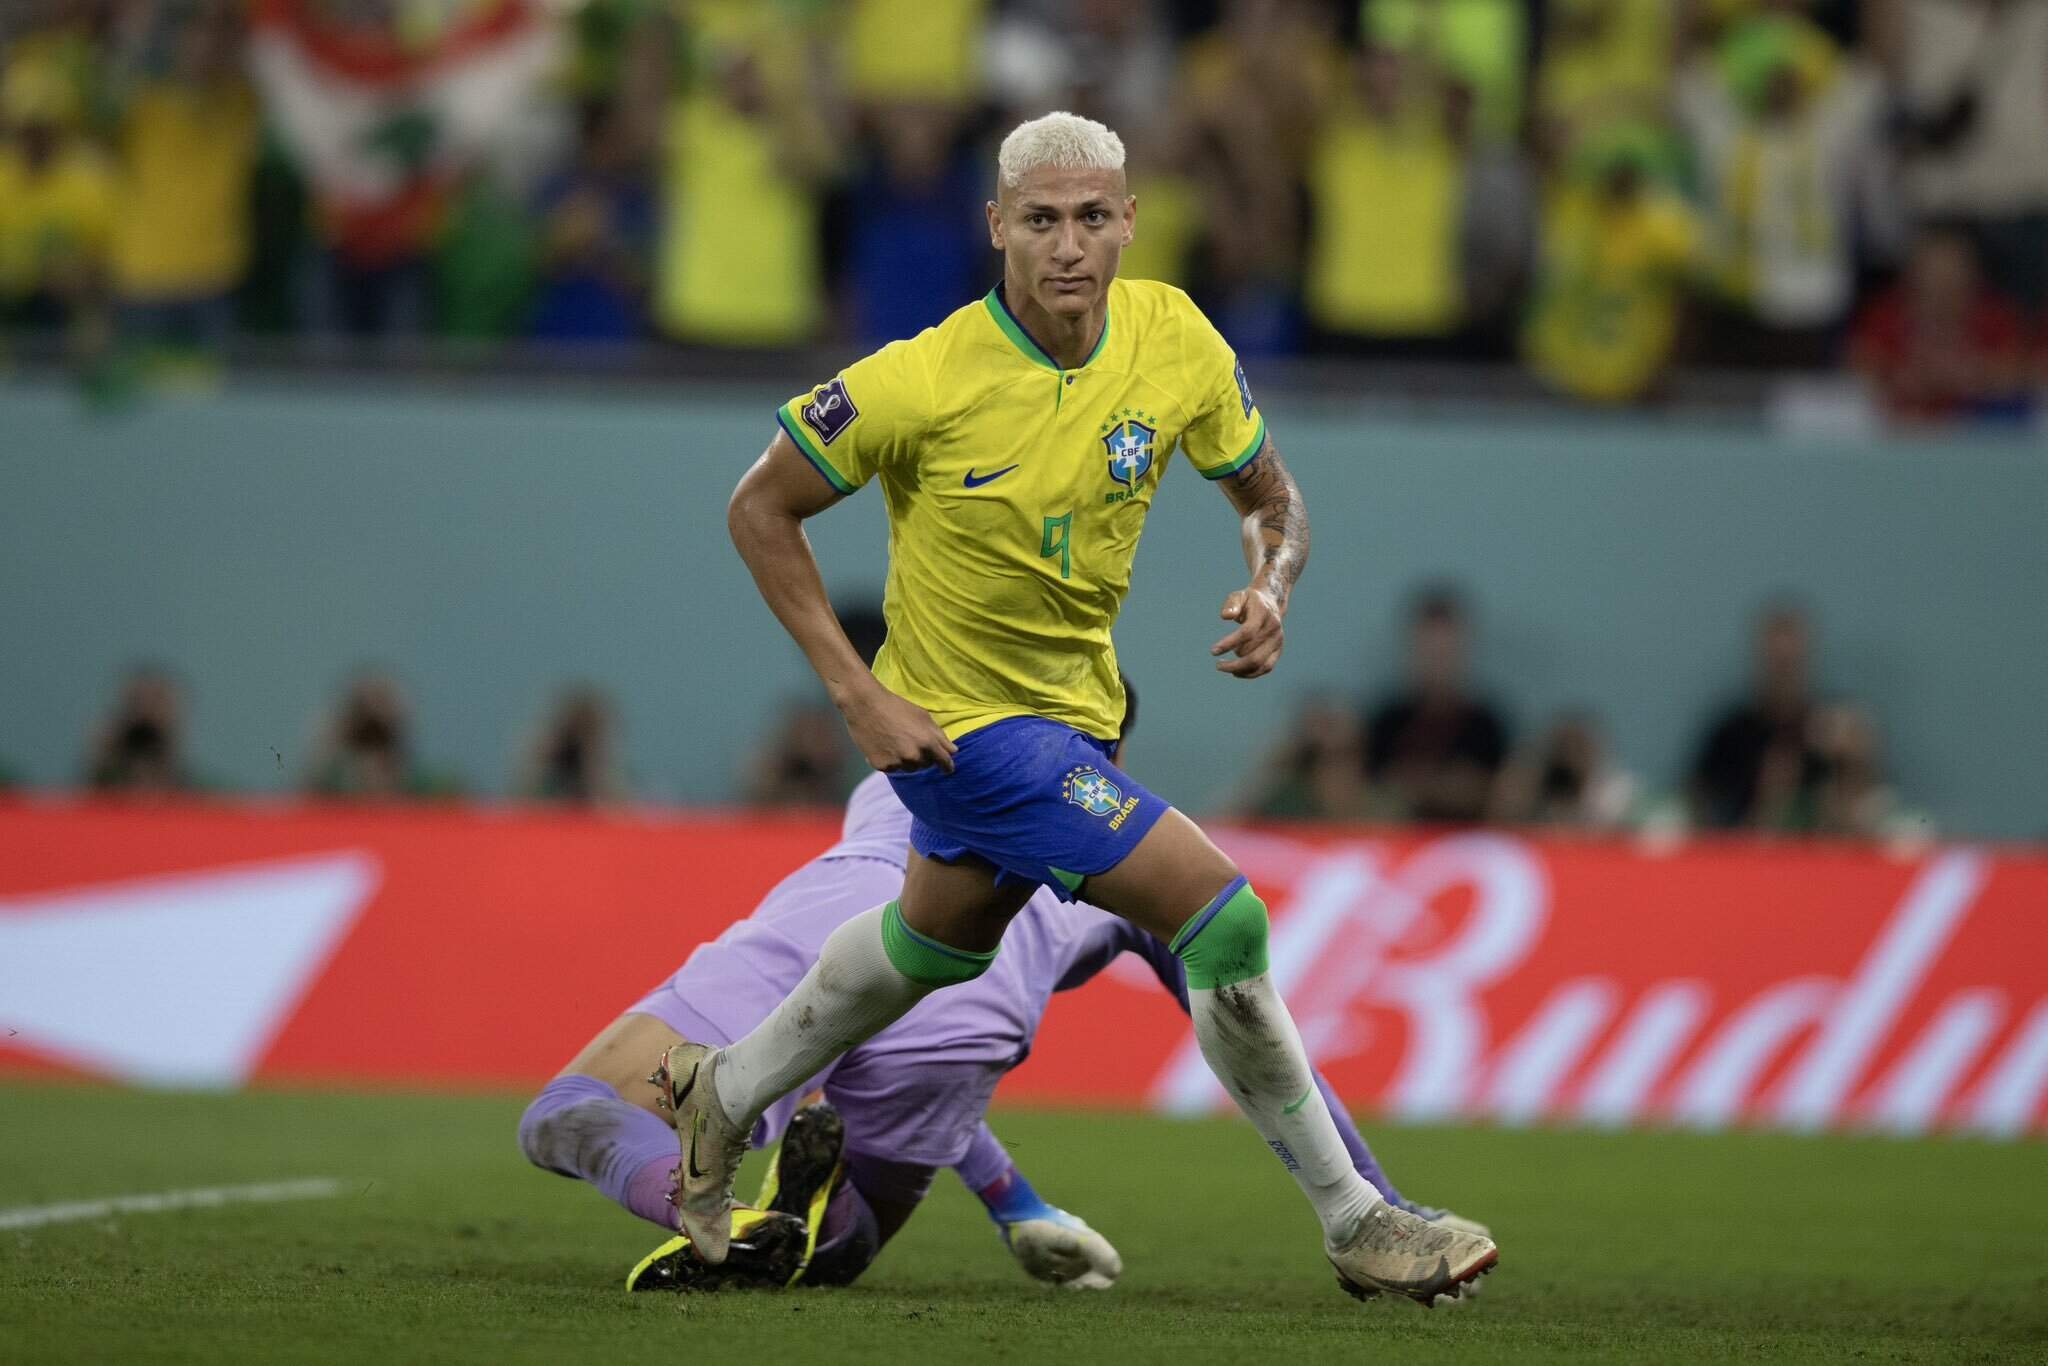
1275,521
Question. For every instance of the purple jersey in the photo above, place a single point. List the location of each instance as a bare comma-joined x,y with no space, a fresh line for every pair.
916,1091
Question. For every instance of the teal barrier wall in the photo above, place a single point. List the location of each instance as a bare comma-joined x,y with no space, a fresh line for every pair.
489,547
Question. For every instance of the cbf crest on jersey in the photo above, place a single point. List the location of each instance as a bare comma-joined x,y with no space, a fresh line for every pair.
1088,789
1128,437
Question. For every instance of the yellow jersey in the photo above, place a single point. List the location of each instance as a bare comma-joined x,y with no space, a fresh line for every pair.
1016,491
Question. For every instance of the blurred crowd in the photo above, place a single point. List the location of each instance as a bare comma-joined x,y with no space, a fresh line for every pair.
1778,758
1431,750
1599,189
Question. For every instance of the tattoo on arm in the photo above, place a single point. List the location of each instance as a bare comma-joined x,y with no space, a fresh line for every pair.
1275,521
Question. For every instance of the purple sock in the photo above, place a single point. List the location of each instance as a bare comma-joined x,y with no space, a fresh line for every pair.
1362,1159
578,1126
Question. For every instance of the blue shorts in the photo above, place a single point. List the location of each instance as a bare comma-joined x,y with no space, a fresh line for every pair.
1039,800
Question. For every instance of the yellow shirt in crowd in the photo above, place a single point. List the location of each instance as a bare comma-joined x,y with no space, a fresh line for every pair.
1383,260
1607,307
913,49
1606,59
53,219
1479,42
187,156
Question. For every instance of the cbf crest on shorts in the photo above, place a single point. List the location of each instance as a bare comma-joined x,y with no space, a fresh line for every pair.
829,412
1129,444
1088,789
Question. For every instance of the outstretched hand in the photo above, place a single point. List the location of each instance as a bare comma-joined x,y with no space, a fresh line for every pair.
1058,1248
1254,647
895,735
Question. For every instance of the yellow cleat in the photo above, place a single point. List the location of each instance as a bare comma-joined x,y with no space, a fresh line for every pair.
770,1245
767,1251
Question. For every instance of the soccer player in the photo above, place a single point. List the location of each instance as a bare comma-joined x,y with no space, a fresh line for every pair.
904,1103
1019,445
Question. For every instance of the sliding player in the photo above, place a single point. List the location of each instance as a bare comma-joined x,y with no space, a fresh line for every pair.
1019,444
911,1098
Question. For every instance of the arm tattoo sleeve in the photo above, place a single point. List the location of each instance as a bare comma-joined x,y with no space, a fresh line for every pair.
1275,521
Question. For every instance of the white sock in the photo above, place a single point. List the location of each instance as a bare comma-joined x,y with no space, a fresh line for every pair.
852,993
1249,1041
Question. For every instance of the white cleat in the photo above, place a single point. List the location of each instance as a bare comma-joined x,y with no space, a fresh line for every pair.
1068,1254
1444,1218
1402,1254
712,1147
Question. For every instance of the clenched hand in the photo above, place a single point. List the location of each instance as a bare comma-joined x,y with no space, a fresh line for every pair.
1259,638
895,735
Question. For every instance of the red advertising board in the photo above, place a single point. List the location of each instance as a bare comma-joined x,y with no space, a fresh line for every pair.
1463,974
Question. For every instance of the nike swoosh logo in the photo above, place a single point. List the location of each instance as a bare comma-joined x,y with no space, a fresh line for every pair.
696,1172
678,1096
975,481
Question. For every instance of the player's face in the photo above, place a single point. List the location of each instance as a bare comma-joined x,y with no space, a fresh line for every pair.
1061,234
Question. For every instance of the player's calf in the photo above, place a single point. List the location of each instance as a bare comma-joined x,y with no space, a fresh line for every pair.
580,1127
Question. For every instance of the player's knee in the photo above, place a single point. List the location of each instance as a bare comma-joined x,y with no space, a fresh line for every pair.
542,1128
1226,942
925,960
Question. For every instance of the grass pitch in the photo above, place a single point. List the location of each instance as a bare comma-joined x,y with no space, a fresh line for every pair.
446,1247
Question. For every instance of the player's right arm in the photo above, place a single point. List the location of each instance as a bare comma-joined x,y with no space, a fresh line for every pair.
766,518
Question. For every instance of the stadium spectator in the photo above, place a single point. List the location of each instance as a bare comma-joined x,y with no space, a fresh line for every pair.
1940,346
140,746
1604,62
188,137
1254,89
1112,60
1432,748
916,246
805,762
67,43
1386,187
1851,795
748,148
57,205
1479,45
931,48
1785,133
1971,79
1755,763
1568,779
392,112
1316,773
598,228
1617,250
574,757
1496,230
365,749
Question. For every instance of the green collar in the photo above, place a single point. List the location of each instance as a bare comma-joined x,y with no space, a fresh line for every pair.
1014,330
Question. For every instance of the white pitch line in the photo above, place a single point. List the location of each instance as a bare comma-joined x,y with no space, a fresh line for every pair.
204,1197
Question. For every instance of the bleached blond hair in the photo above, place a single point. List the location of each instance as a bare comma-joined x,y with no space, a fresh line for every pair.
1059,139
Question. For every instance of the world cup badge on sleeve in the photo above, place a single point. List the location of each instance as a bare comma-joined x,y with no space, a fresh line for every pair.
829,412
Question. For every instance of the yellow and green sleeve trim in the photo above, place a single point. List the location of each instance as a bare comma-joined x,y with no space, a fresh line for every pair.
1244,458
792,424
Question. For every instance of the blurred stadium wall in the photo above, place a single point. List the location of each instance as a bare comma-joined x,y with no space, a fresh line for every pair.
487,545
